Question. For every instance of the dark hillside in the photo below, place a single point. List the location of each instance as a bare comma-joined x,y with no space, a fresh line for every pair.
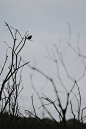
8,122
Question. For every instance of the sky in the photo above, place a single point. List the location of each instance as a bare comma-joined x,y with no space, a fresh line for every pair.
48,21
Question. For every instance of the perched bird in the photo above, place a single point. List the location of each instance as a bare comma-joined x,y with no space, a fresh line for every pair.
29,37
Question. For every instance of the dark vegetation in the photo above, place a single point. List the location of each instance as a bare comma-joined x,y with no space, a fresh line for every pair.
11,86
34,123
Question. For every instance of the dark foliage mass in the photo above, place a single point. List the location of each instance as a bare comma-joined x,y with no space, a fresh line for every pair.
34,123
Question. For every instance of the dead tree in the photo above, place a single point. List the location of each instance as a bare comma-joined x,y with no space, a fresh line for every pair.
57,56
12,85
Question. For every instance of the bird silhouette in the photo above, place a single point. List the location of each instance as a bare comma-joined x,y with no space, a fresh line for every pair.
29,37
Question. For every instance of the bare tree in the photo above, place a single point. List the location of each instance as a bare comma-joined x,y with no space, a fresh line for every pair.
10,87
56,55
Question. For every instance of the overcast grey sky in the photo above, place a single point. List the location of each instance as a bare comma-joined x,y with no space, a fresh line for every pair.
47,21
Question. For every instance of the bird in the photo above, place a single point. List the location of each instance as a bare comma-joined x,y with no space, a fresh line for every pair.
29,37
